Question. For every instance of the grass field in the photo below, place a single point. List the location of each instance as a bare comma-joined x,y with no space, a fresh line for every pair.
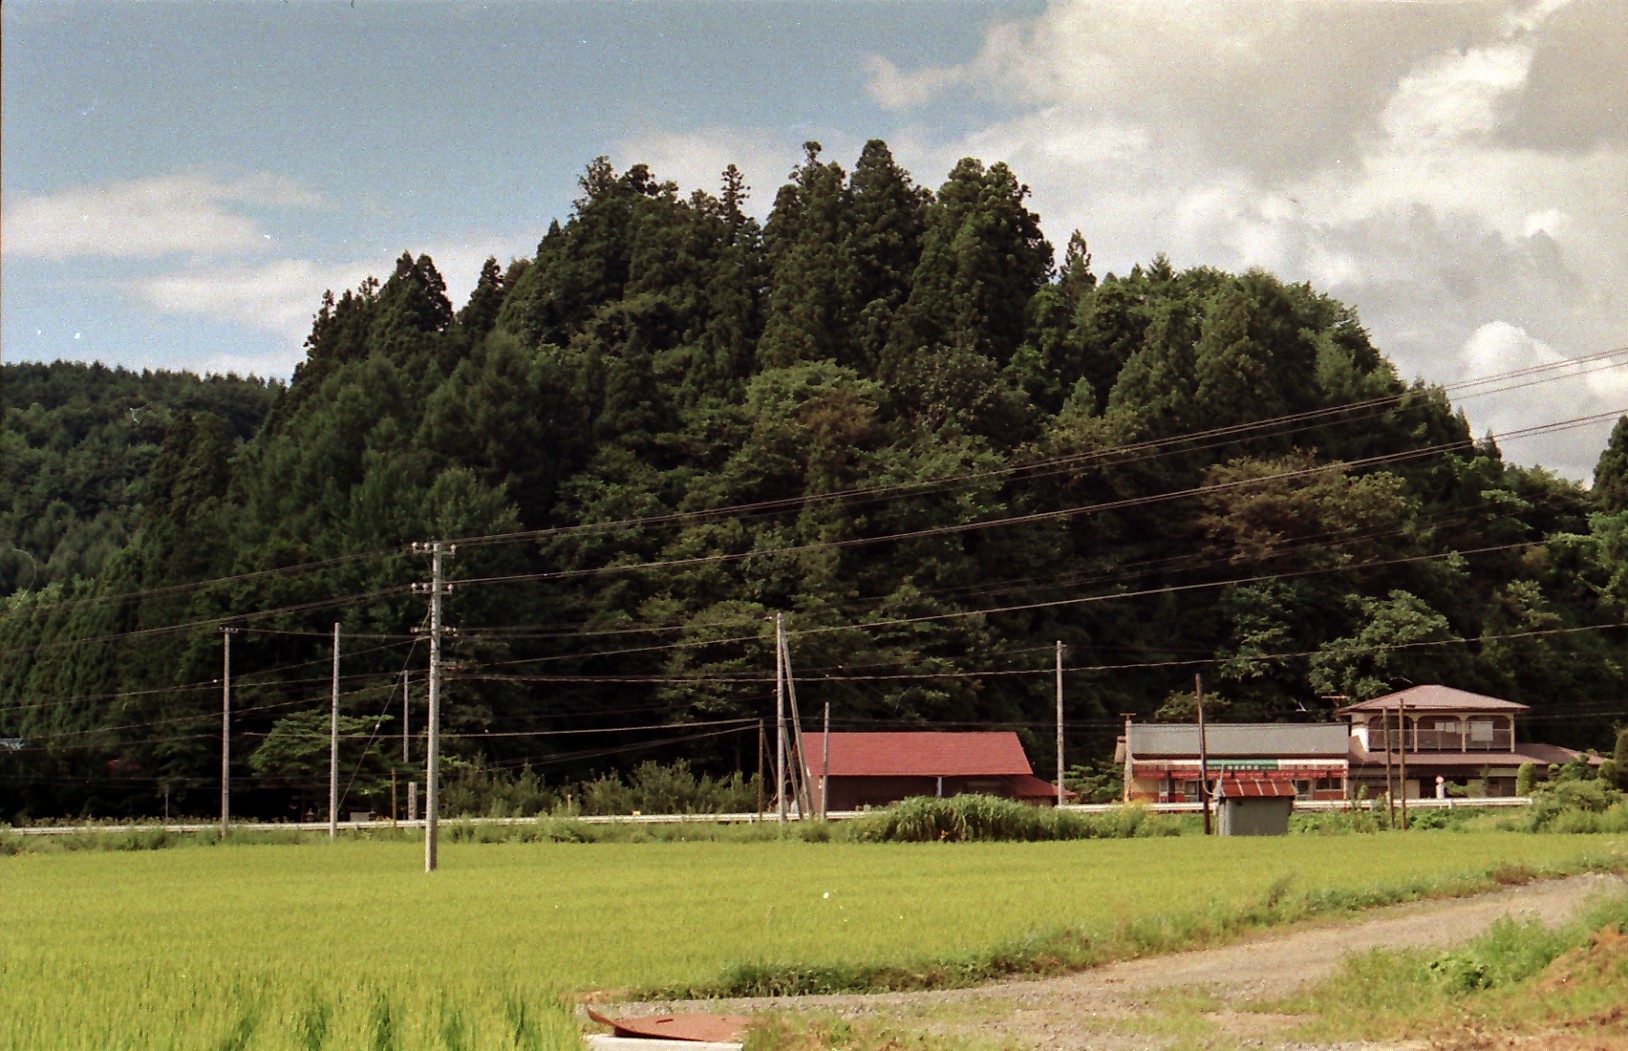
352,945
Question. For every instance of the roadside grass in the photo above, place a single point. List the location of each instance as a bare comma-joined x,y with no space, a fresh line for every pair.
828,1032
264,946
1182,922
1518,984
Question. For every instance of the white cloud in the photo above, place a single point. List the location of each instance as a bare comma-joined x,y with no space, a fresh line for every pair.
1455,95
896,90
190,214
1564,388
696,159
1369,148
281,296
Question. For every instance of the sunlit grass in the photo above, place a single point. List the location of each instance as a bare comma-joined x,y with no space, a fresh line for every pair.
271,944
1518,977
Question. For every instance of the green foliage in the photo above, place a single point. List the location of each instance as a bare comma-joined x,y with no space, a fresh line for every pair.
76,448
979,818
1519,976
1100,781
882,413
1556,799
652,788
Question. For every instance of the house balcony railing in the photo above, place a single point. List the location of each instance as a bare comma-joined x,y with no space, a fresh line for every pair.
1440,741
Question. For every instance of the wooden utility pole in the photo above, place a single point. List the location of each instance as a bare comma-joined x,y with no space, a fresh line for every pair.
333,747
761,735
1203,753
225,729
1059,722
799,761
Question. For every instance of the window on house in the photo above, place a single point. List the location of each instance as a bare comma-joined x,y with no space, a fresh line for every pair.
1480,731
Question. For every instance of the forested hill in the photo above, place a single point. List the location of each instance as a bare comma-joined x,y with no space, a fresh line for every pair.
76,444
889,414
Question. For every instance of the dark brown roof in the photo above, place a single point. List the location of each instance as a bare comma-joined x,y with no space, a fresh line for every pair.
1027,786
1434,698
1536,754
919,754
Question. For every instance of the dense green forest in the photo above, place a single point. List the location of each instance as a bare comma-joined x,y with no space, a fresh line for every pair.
889,413
76,445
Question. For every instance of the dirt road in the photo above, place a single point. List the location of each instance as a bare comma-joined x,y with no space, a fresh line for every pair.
1101,1008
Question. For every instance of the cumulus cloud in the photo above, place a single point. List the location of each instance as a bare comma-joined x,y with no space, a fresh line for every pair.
1451,170
695,160
191,214
1514,369
281,296
894,89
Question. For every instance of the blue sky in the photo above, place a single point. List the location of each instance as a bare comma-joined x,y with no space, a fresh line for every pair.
182,179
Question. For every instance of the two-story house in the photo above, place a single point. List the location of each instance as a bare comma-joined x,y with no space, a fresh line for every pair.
1447,738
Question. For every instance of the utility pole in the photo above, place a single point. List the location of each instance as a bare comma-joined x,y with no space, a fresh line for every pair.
779,722
825,766
799,766
406,756
333,747
1203,753
225,729
1402,756
1059,722
432,760
761,735
1390,780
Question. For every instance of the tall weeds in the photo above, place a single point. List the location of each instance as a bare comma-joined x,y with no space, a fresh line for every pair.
981,818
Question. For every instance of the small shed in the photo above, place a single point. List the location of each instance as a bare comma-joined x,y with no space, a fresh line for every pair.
1254,806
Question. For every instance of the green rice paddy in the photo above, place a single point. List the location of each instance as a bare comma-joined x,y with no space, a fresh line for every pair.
353,945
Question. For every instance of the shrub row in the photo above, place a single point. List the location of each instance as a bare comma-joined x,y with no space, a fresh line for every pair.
967,818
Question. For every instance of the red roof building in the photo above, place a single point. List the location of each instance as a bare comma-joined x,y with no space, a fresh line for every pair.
875,769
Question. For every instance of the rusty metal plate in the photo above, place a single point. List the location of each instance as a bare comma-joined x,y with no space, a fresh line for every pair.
698,1028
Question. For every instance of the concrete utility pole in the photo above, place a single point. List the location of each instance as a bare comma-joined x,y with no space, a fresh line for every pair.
779,722
432,760
1203,753
1402,756
333,747
1390,778
761,735
1059,722
225,729
825,766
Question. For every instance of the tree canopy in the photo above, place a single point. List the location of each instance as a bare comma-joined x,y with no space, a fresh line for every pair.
887,413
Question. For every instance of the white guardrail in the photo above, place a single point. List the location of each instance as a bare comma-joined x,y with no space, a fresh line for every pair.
712,819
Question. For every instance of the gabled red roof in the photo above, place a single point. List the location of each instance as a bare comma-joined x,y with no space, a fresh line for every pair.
1027,786
919,754
1254,787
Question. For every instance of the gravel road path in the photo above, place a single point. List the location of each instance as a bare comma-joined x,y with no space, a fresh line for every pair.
1100,1008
